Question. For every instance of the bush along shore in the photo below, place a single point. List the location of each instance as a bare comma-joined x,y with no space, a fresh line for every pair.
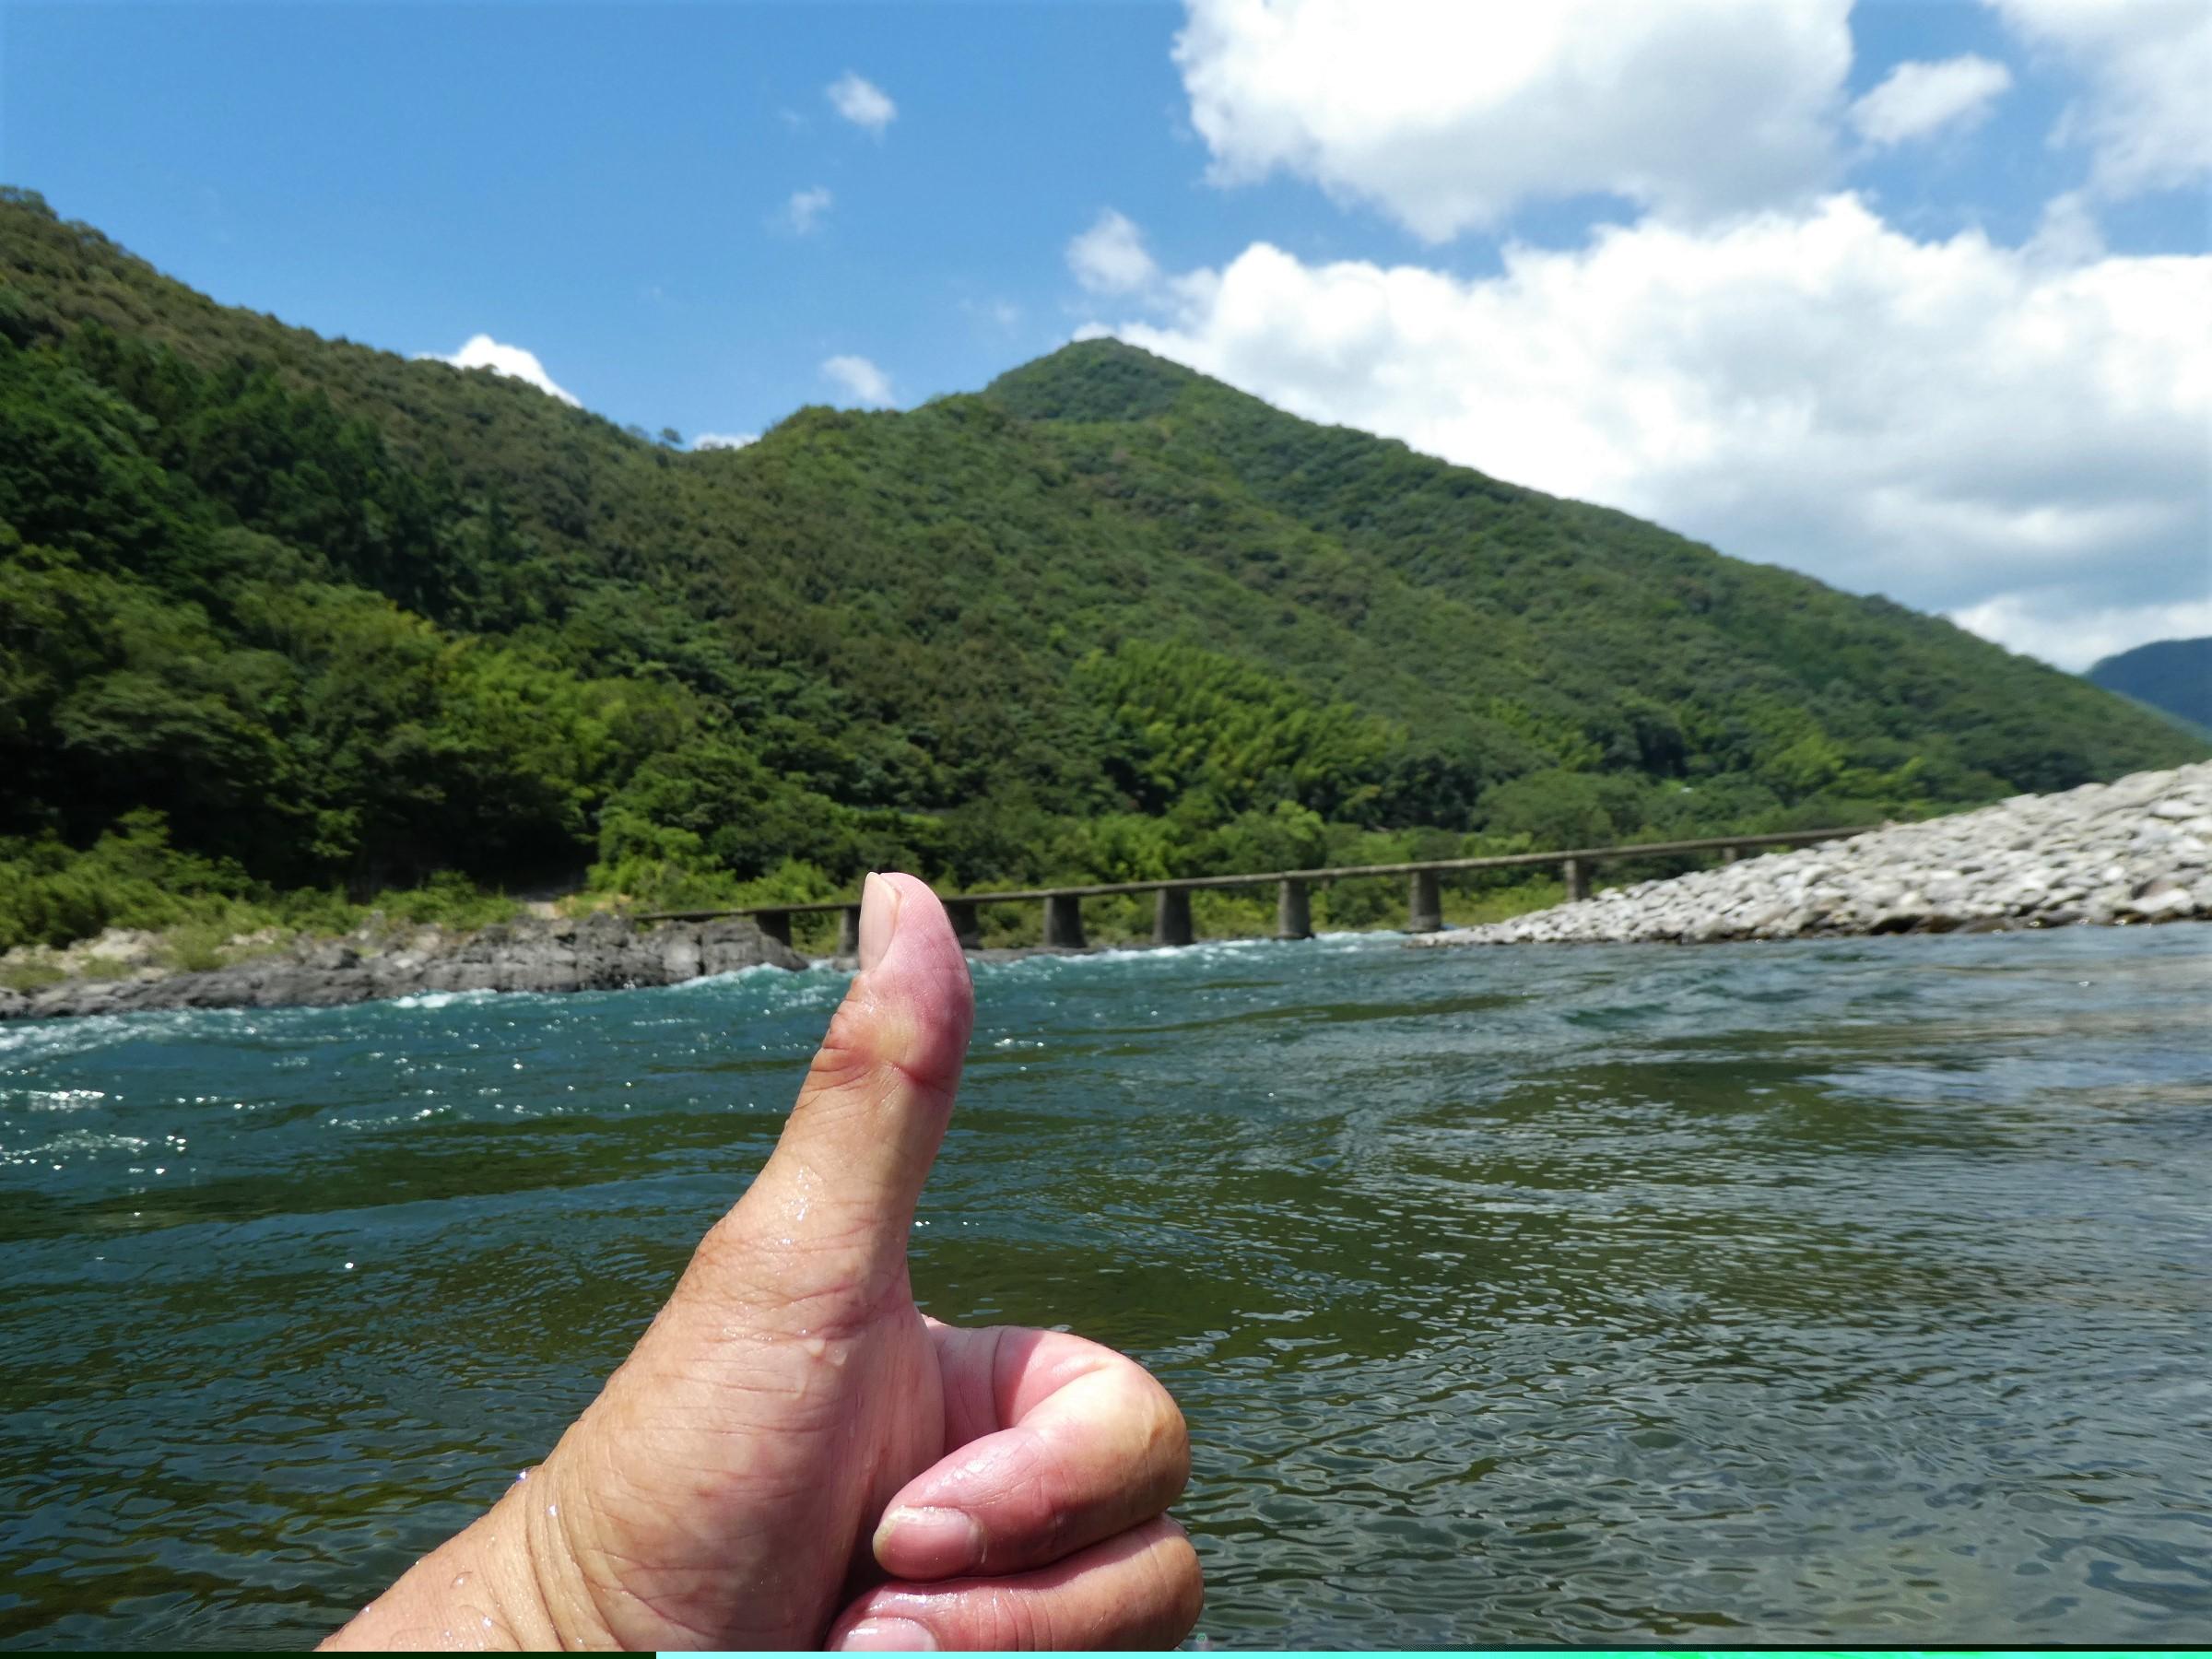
598,952
2135,850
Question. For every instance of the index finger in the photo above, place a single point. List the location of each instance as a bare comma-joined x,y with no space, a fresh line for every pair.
1058,1443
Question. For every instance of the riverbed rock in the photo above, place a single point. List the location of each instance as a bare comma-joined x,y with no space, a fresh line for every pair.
2134,851
599,952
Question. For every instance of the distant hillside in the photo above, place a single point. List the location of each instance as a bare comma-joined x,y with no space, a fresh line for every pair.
338,617
2171,675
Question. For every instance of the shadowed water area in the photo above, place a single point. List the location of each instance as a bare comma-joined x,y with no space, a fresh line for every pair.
1850,1292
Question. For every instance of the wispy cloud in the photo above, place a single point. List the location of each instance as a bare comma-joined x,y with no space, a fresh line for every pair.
804,212
861,102
713,440
1002,312
1915,100
2141,113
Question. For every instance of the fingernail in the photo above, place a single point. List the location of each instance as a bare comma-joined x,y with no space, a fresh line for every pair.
885,1636
936,1542
878,919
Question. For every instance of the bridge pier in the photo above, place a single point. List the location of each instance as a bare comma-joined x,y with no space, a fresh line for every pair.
1064,922
1424,903
1294,915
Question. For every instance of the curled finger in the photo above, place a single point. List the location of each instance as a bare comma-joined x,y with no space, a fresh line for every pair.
1058,1443
1140,1590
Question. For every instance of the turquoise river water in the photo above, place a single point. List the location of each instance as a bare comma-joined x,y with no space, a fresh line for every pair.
1855,1292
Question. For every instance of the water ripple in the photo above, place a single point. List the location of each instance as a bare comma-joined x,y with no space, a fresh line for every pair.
1850,1292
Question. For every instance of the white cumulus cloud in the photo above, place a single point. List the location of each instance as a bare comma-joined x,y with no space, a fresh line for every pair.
861,102
484,352
1951,423
862,381
2145,114
2077,638
714,441
1915,100
1110,257
805,209
1446,114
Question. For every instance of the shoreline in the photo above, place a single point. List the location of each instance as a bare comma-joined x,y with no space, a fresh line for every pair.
549,955
2135,852
599,952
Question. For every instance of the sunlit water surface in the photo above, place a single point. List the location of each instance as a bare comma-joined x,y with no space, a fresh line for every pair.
1842,1291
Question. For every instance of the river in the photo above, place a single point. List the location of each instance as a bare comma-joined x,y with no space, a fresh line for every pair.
1850,1292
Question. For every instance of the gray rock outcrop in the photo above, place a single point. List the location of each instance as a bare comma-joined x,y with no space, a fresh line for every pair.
589,953
2139,850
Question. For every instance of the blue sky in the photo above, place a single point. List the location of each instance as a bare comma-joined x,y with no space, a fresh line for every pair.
1944,341
604,185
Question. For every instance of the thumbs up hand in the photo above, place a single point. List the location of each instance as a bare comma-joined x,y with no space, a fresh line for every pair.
794,1456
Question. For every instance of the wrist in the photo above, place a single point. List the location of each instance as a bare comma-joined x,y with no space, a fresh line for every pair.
508,1582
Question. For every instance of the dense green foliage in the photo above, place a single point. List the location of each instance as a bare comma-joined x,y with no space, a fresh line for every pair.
2172,675
132,876
325,618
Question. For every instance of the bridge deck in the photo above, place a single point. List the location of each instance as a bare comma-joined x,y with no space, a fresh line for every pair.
1579,856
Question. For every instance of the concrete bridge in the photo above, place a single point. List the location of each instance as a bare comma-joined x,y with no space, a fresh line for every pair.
1293,905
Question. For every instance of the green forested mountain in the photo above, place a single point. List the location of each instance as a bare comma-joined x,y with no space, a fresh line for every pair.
2174,676
294,613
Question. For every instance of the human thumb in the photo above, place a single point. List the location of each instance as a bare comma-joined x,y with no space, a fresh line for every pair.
857,1148
726,1480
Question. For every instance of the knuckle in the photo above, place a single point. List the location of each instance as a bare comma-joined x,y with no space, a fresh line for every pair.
1016,1623
877,1047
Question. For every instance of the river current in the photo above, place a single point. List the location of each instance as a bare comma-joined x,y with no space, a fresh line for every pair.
1855,1292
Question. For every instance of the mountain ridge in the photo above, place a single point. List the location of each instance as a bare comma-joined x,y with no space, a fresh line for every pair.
1104,618
2173,676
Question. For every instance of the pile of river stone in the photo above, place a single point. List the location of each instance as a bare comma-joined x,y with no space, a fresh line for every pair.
2139,850
598,952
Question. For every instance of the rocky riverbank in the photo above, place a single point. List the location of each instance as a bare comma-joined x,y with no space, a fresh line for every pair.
2137,850
584,953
